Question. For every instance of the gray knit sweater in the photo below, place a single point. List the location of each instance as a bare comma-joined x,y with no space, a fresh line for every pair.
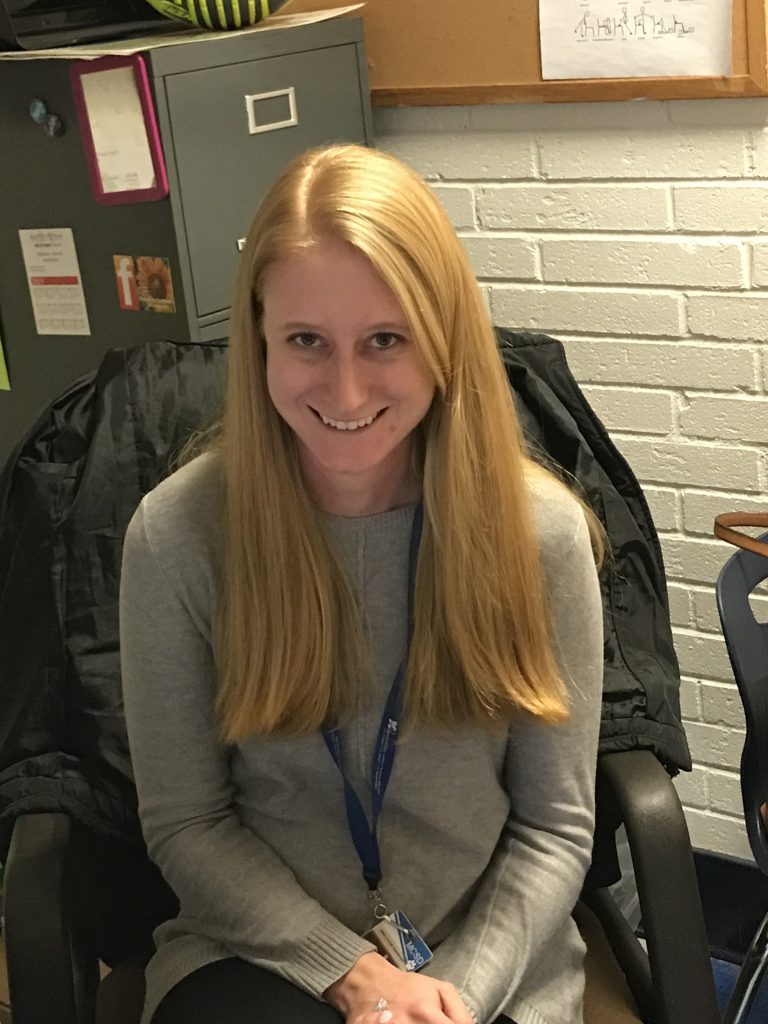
484,839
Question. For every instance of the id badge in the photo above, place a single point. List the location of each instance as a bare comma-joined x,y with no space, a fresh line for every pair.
399,942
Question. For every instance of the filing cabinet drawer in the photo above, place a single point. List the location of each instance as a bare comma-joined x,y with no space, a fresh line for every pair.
234,128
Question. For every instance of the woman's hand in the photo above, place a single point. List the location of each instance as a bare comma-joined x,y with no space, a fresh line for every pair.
410,998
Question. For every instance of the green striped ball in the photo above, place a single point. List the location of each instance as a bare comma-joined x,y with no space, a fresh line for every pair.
217,15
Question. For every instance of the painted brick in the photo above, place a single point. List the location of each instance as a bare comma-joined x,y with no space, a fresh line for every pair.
459,204
705,605
732,317
718,833
721,705
574,207
660,262
712,745
663,502
644,154
688,558
690,462
597,310
702,655
760,266
725,208
705,615
680,609
500,257
471,156
671,365
690,704
692,788
760,154
541,117
715,113
725,793
758,602
700,509
642,411
727,419
402,120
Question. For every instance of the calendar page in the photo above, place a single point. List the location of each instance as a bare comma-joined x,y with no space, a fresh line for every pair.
55,285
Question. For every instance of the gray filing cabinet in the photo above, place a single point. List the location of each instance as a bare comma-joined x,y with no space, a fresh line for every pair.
218,170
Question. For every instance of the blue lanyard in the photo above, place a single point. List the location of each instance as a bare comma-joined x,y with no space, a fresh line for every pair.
365,834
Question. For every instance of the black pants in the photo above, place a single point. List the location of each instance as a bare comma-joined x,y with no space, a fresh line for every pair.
235,992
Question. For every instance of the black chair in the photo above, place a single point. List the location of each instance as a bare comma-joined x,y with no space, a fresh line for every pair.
53,956
747,643
78,886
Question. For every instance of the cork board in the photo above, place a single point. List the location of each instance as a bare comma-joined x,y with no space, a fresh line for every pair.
429,52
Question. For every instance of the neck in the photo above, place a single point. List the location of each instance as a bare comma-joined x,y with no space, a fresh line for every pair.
363,494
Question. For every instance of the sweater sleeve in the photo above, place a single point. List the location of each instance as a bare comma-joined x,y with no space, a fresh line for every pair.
536,873
231,885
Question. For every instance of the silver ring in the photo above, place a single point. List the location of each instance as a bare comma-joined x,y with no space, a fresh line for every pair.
379,1005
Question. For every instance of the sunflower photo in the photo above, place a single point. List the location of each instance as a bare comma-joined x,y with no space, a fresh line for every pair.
154,284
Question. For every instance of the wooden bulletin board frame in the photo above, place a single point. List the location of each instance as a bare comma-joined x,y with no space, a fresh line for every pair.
436,52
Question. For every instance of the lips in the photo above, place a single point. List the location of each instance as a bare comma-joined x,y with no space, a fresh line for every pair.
347,425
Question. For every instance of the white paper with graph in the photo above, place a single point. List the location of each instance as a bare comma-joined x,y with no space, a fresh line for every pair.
635,38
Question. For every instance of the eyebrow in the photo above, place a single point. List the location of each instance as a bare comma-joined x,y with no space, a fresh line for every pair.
302,325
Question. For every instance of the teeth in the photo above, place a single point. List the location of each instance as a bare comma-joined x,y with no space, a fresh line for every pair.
346,425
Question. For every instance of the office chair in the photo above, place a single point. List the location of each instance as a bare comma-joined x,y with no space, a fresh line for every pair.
53,963
79,888
747,642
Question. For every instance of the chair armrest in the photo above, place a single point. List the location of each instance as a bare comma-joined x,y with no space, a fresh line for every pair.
50,982
673,920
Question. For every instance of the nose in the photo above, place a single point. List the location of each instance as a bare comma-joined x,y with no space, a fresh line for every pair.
346,385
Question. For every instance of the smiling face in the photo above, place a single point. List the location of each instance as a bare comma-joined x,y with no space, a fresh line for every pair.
345,374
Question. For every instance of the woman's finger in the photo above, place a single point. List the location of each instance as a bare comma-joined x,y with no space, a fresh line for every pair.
411,1014
454,1006
382,1014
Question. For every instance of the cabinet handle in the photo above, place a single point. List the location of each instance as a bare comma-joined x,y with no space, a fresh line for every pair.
241,244
254,128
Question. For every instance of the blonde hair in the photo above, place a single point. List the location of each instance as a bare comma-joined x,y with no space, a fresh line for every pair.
289,639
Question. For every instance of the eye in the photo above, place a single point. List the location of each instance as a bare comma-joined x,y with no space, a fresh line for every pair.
384,341
305,340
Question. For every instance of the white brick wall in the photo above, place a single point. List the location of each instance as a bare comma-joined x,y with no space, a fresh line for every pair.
726,207
664,501
572,207
642,362
662,261
638,234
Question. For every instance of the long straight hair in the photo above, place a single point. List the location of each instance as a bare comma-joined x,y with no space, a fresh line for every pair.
289,640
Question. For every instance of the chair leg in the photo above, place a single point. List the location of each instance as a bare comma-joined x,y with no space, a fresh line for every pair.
749,977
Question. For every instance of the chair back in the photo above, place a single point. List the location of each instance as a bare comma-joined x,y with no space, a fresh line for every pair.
747,642
66,498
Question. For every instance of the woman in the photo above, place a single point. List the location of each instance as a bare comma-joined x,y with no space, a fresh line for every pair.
362,651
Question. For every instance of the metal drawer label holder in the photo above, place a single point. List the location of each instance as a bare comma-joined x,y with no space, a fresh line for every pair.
254,128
